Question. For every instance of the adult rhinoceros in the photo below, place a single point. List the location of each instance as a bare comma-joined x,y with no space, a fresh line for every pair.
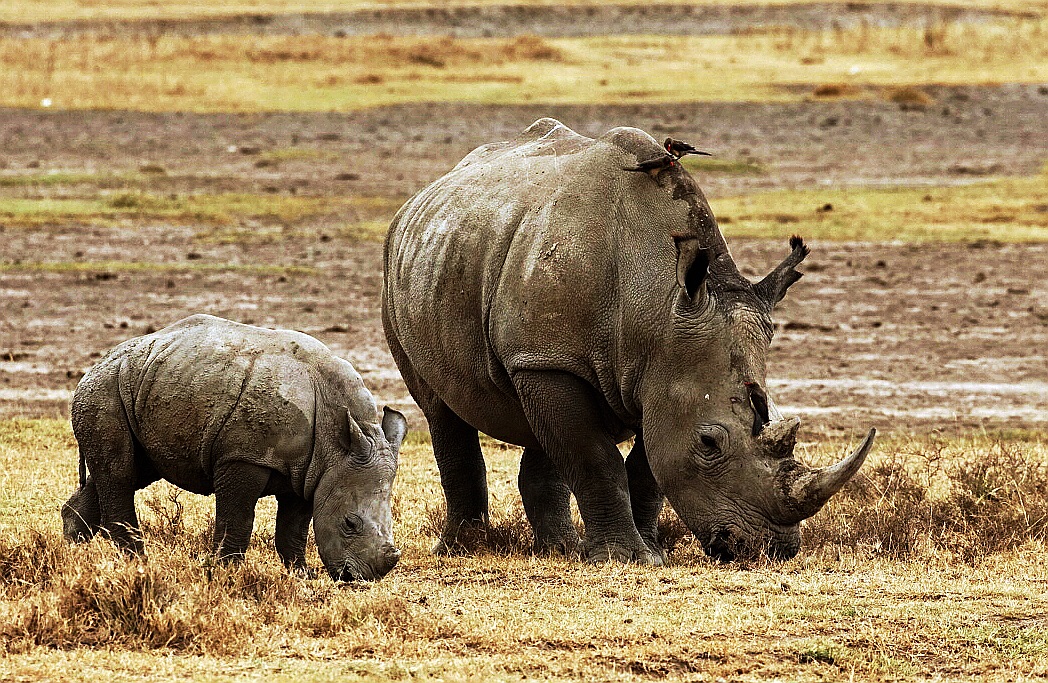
214,406
546,293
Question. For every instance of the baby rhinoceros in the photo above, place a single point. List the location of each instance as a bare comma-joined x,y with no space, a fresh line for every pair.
212,405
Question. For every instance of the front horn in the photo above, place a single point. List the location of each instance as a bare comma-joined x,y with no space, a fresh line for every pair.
809,491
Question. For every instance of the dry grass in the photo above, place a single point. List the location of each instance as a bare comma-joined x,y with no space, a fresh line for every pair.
21,11
308,73
1007,210
878,592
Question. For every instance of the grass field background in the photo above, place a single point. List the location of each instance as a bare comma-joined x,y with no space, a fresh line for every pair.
319,73
1003,209
861,600
930,564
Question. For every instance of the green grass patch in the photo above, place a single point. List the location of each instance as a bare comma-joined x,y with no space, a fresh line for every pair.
61,178
211,210
323,73
1005,210
702,165
278,156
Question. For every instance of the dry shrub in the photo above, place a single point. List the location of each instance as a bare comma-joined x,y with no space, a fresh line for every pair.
912,507
91,594
31,560
531,48
835,90
507,533
909,97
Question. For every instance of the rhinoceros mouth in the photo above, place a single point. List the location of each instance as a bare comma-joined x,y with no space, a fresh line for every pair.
728,545
351,570
356,569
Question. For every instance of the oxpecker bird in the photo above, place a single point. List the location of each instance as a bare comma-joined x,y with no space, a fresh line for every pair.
679,148
655,166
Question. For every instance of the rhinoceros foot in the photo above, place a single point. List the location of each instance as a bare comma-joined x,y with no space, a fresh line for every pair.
303,572
463,539
566,544
609,552
659,552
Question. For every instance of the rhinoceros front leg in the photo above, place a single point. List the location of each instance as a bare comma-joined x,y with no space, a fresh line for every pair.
565,416
645,497
81,514
293,517
547,503
238,486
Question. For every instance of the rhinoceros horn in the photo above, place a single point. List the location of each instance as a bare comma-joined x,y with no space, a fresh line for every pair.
779,437
806,490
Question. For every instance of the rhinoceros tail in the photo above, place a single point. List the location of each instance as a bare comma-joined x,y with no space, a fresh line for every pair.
83,470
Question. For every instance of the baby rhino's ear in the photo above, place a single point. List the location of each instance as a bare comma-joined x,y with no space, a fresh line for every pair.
394,426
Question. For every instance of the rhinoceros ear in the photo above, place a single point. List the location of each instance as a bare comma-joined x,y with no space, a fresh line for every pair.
693,265
773,287
394,426
355,442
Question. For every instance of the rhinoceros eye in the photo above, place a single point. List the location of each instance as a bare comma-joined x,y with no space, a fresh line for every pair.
352,525
708,449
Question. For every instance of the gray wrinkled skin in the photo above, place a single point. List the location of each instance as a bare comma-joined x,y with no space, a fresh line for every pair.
214,406
545,295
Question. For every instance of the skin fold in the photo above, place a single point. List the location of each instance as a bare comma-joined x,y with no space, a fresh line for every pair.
548,294
213,406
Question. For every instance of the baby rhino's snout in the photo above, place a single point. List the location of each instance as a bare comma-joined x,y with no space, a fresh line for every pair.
387,558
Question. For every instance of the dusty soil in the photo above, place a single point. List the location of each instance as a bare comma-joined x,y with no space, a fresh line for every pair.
968,132
546,20
904,337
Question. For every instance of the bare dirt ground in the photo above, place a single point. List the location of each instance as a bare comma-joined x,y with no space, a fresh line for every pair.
545,20
930,337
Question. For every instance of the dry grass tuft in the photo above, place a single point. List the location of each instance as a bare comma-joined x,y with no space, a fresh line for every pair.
921,504
831,90
507,533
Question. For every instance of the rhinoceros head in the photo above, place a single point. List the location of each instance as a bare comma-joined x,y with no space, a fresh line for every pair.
717,445
352,517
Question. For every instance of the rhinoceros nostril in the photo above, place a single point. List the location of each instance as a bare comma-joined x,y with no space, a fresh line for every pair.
388,559
721,547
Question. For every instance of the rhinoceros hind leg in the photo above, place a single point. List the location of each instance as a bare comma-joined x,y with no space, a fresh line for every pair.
566,417
646,498
463,476
456,448
80,514
547,503
109,449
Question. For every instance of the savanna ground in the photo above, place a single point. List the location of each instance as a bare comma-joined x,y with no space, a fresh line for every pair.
248,169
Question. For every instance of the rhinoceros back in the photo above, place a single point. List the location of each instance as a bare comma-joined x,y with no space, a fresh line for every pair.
520,257
205,388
